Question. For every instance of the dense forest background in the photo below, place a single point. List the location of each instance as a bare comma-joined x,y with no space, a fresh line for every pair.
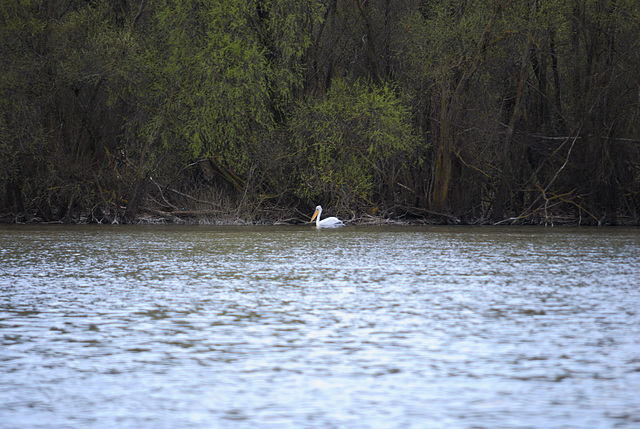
496,111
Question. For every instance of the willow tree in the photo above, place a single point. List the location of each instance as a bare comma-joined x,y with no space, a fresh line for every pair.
351,148
228,72
599,68
59,127
443,56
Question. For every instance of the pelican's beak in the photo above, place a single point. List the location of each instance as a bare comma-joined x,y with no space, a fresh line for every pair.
314,216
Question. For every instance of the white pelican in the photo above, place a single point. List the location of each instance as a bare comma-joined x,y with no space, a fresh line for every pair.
330,222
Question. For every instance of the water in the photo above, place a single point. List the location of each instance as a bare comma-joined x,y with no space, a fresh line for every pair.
289,327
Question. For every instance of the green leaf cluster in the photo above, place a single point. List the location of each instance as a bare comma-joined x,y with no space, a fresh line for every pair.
349,144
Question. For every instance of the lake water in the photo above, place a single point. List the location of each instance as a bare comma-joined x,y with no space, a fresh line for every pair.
290,327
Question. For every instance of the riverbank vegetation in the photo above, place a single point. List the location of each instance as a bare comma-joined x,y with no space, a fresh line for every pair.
501,111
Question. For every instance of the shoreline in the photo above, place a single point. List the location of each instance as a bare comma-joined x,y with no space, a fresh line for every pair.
186,219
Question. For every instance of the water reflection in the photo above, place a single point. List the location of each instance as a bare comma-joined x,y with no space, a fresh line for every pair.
292,327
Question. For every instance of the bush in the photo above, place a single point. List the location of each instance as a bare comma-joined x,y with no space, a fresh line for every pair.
350,145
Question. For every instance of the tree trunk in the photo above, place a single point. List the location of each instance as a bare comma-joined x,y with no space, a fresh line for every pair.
450,105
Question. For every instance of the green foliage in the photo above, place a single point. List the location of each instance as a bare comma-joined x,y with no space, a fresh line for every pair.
226,68
321,101
349,144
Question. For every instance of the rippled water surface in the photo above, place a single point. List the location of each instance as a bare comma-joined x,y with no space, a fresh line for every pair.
289,327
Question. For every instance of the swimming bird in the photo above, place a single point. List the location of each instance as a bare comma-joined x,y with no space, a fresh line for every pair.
330,222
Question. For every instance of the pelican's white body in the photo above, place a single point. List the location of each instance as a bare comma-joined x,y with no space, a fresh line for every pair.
330,222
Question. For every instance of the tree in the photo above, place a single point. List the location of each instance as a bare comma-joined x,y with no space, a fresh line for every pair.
351,146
